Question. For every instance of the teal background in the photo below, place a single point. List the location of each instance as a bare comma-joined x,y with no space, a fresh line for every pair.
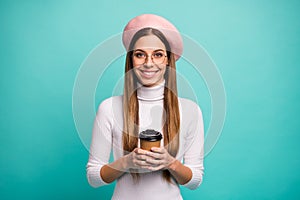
255,45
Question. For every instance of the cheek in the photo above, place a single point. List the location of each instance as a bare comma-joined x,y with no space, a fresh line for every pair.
134,64
136,71
163,70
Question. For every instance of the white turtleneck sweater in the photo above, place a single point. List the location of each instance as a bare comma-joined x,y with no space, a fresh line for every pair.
107,137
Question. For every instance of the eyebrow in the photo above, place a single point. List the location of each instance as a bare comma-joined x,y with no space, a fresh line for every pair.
145,52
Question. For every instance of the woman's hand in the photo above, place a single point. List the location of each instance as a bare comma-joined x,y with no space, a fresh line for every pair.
158,158
136,159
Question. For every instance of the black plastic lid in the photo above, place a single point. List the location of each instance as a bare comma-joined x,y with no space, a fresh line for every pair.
150,135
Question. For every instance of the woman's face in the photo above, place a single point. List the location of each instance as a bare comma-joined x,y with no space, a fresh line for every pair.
149,60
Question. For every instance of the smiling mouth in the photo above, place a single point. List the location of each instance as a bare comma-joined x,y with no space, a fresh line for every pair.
148,74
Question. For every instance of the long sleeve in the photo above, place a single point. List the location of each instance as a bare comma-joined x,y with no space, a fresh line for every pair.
101,144
194,154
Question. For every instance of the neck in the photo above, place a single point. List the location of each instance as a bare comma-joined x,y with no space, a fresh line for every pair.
151,93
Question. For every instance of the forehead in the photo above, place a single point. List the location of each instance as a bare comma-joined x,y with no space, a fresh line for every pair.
150,42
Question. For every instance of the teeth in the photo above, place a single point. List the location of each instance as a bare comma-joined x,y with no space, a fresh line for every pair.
149,73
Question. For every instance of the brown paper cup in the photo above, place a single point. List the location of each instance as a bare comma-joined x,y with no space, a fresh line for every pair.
147,145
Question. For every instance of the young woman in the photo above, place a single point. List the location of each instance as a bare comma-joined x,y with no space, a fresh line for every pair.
149,101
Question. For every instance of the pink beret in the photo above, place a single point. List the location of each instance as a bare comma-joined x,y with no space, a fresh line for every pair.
154,21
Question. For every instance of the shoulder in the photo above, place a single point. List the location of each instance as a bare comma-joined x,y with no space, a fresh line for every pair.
188,104
189,109
107,104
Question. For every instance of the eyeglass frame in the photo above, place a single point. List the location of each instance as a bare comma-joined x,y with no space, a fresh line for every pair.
147,56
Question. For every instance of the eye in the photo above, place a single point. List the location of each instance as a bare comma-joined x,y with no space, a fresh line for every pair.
158,55
139,55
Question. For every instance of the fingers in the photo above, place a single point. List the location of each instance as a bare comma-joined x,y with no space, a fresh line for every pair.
156,156
140,155
155,168
140,151
139,158
158,150
158,153
155,161
141,163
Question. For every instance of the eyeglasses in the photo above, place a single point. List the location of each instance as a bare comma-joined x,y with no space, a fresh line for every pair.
140,57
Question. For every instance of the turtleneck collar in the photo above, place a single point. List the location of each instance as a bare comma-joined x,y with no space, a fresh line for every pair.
154,93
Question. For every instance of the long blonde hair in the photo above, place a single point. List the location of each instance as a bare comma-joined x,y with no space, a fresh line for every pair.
171,126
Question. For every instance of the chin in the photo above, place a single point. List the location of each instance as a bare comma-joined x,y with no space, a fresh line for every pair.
149,83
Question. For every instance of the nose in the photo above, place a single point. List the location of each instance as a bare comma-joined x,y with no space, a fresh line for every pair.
148,62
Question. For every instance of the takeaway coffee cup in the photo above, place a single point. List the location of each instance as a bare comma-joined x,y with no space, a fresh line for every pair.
150,138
